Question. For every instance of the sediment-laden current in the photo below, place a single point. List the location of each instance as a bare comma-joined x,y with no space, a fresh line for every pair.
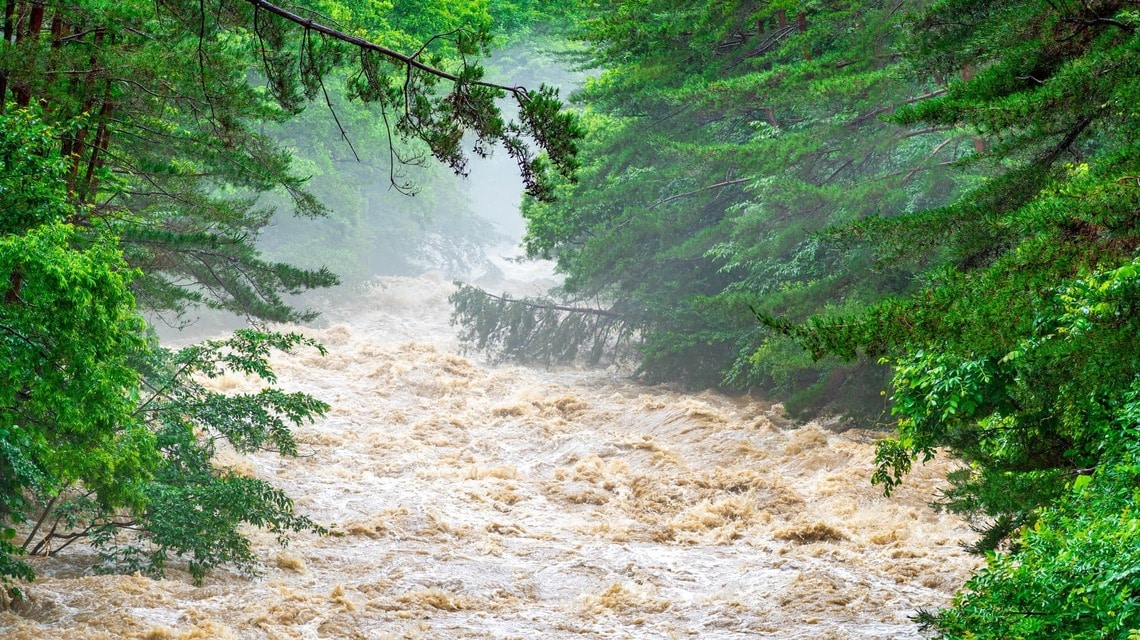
473,501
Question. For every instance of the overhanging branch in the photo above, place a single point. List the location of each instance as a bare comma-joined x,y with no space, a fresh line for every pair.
411,61
725,183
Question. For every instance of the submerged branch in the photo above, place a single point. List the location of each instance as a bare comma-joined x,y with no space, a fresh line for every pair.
555,307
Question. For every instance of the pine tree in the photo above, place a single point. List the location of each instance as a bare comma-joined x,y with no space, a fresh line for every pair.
726,139
1019,352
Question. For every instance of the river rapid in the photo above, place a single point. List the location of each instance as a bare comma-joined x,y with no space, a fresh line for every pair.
477,501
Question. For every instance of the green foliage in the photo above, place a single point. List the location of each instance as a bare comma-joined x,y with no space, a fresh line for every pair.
1077,568
195,510
724,139
534,329
1007,354
183,506
1018,351
199,517
28,148
68,330
67,382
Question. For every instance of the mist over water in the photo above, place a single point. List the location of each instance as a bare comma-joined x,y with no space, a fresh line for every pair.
473,501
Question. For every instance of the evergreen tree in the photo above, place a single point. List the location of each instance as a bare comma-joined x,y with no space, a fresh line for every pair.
725,140
987,345
1020,351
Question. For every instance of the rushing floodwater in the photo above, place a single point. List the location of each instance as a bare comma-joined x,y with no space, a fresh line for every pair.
506,502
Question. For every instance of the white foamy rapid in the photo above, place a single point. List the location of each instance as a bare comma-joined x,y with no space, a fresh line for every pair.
505,502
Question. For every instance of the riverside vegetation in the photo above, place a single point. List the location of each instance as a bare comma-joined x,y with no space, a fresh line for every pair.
923,214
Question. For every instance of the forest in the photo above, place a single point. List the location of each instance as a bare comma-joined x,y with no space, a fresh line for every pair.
923,217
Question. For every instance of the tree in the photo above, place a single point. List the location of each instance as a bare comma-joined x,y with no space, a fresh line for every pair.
132,162
725,140
69,329
1019,350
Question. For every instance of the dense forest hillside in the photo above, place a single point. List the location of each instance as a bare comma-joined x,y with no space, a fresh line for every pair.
920,214
725,141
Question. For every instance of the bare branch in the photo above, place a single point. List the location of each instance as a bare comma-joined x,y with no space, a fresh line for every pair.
605,313
726,183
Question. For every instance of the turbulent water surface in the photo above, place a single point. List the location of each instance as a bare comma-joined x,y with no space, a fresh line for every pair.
504,502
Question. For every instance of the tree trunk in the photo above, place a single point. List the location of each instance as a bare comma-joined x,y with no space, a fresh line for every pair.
37,21
75,147
9,26
102,138
15,281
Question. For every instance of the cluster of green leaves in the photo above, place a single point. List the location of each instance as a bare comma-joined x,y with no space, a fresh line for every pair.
100,431
1075,572
194,510
724,139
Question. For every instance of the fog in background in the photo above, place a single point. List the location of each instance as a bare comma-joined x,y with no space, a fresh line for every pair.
453,227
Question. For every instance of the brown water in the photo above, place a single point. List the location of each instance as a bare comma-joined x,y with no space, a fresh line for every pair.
506,502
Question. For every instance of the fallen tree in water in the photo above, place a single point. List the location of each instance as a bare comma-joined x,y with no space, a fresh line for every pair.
539,329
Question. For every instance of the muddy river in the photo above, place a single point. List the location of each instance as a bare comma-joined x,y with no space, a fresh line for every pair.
477,501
